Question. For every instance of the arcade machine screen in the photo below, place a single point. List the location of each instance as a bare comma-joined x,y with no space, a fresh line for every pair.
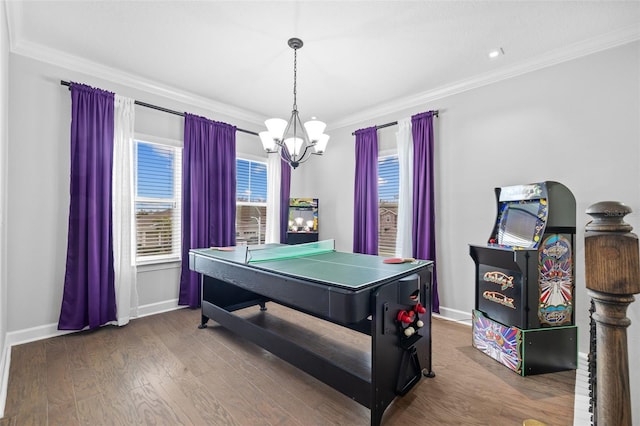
521,223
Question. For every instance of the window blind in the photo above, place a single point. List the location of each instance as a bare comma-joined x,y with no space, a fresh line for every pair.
388,193
251,201
158,192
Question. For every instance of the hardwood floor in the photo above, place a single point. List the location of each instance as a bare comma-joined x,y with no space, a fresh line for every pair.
163,370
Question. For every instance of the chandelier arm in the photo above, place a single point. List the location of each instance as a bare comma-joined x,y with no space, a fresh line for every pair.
284,154
287,156
294,114
304,136
304,157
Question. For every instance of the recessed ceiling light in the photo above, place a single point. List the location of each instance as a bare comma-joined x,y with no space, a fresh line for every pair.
496,52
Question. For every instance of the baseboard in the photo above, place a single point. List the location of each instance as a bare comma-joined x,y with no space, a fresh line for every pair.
158,308
4,376
51,330
456,315
28,335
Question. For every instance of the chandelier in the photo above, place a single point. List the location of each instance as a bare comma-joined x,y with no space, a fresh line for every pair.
294,141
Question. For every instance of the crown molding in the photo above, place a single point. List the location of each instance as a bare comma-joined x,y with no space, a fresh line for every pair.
35,51
587,47
19,46
77,64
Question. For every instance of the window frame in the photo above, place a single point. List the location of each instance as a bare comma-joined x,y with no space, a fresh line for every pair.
176,254
254,159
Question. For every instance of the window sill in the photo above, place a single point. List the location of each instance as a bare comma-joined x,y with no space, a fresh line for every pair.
158,264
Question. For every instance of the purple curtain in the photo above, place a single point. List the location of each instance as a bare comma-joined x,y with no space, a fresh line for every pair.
424,212
208,195
89,294
365,218
285,194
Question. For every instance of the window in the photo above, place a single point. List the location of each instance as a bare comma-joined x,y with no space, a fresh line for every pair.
388,193
251,201
158,182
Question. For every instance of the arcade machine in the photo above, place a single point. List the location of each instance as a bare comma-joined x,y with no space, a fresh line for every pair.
303,221
524,303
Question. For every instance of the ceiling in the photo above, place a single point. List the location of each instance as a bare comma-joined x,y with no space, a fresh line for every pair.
360,59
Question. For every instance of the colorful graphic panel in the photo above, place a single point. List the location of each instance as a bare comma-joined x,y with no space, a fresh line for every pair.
555,280
498,341
499,293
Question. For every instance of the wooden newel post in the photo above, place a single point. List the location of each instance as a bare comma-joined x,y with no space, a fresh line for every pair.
612,272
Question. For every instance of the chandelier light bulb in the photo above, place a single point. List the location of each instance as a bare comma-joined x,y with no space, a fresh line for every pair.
314,128
294,145
321,144
276,126
268,143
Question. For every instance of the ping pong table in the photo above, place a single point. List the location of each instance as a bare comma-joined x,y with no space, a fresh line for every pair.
355,291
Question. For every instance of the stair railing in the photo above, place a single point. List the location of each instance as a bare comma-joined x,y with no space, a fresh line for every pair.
612,273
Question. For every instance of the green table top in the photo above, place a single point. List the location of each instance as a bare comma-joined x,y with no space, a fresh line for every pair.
348,270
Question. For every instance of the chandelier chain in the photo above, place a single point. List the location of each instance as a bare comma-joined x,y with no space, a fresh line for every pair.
295,78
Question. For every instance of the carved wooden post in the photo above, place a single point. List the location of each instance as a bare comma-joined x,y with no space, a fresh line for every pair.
612,269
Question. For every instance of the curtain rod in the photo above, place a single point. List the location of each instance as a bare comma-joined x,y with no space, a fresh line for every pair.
382,126
159,108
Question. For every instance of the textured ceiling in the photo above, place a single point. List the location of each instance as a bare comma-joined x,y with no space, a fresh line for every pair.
359,57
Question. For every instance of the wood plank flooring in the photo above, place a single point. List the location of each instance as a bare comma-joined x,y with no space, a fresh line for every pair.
163,370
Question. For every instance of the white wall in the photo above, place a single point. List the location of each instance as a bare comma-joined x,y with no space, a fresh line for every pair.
38,190
577,123
4,134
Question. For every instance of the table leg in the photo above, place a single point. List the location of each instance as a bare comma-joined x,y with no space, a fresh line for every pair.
398,362
203,322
